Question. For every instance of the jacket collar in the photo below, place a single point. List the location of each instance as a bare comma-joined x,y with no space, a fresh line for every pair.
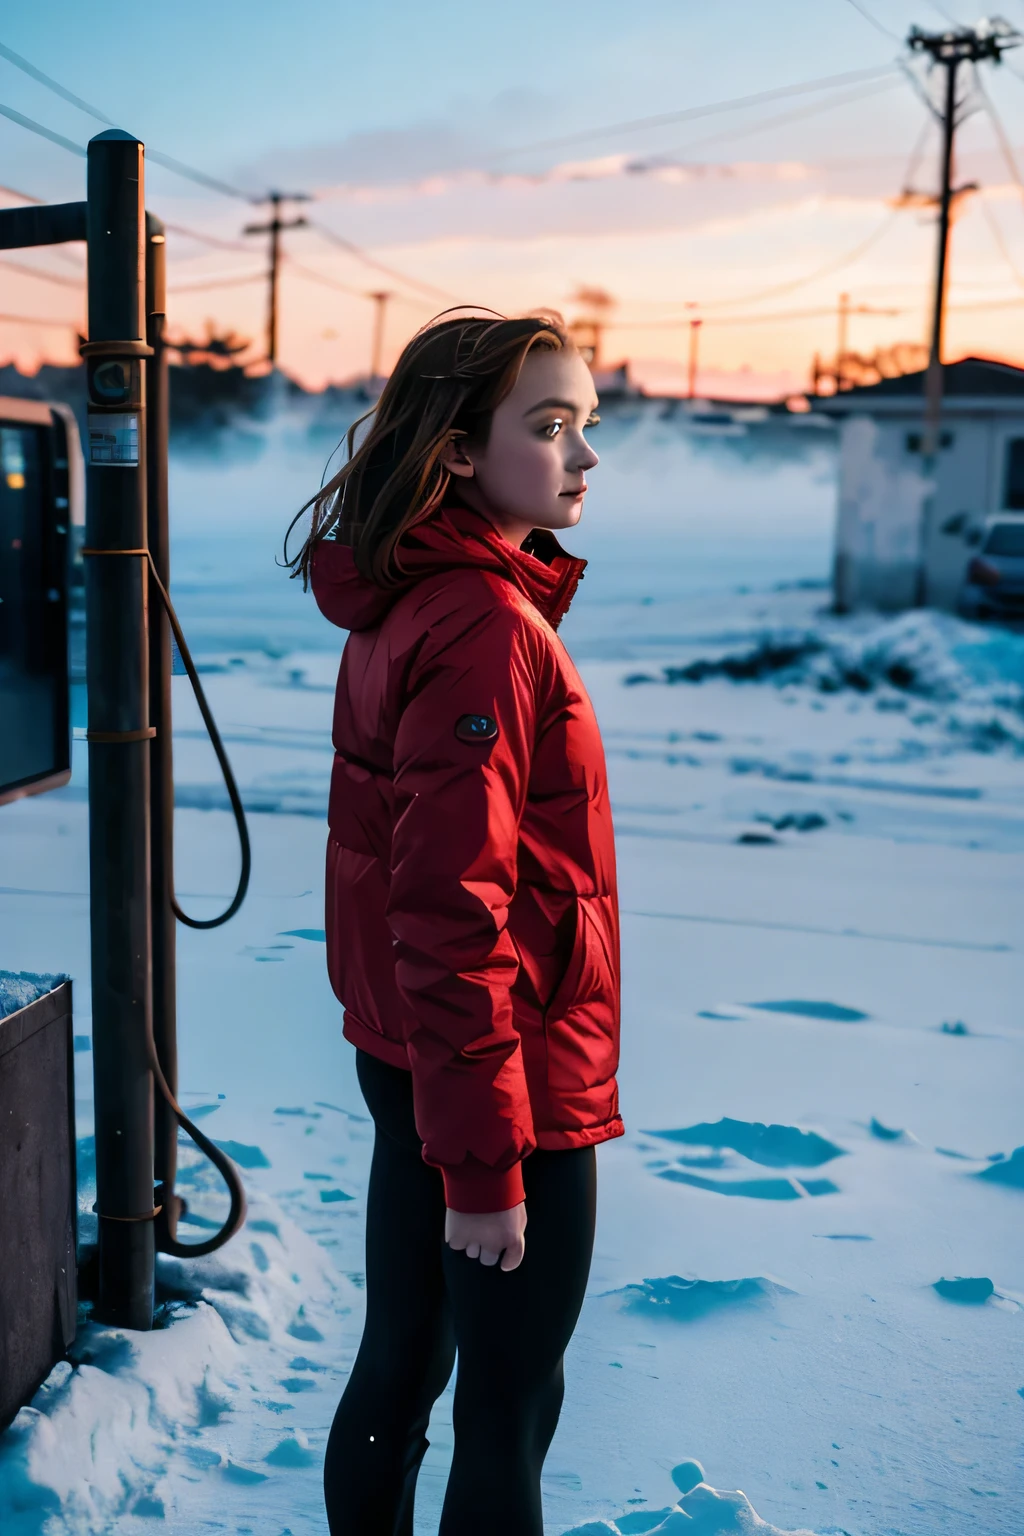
454,537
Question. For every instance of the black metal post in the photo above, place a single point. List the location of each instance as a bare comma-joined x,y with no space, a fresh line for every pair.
161,762
275,262
119,731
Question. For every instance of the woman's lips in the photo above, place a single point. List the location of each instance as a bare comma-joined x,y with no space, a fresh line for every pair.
576,494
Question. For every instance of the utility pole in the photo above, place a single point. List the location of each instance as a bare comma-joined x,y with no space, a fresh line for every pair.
949,50
845,310
691,378
841,339
380,301
273,229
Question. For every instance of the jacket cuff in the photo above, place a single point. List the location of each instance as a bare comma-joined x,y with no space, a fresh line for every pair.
475,1189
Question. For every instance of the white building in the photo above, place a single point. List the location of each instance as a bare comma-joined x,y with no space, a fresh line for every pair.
892,521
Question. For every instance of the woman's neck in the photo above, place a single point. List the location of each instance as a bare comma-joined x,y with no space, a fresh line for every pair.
514,530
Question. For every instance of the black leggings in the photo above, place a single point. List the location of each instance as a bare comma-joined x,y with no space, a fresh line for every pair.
424,1300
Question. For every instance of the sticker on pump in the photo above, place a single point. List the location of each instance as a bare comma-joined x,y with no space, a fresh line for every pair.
114,440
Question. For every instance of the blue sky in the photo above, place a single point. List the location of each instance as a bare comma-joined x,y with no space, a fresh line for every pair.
393,114
228,81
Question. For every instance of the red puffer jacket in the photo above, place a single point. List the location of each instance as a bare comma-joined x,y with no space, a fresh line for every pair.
472,918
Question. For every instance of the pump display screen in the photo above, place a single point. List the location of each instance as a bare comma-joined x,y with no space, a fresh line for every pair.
34,745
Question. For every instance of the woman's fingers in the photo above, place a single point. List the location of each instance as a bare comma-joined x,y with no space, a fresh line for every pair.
513,1255
488,1236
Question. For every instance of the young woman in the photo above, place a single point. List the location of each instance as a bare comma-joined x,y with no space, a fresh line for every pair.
472,923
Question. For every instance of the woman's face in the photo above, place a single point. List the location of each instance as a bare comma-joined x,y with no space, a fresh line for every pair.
532,471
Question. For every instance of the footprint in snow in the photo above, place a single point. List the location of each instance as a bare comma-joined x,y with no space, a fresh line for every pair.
887,1133
832,1013
796,1007
1005,1170
773,1146
754,1189
684,1300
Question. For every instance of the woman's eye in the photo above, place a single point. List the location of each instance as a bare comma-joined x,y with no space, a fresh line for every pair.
592,420
553,428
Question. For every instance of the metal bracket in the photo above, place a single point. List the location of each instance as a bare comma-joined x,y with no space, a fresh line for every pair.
115,349
146,733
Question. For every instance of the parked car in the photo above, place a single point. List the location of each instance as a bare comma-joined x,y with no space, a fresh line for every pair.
994,582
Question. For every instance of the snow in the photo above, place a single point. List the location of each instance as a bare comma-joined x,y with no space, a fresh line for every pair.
19,988
809,1269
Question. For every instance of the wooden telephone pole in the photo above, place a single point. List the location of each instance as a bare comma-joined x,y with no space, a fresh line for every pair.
380,301
843,354
273,229
949,50
692,361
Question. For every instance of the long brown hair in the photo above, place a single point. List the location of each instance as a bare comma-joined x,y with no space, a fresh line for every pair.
446,385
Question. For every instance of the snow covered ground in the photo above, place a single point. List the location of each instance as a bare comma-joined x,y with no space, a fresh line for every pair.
809,1272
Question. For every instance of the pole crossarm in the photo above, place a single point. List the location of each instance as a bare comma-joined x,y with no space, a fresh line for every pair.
966,45
41,224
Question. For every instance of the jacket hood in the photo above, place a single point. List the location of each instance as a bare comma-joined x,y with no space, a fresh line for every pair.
453,538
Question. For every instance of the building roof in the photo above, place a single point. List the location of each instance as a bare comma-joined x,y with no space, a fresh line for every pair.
972,378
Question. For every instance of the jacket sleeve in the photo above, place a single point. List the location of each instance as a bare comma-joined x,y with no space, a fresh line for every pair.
458,806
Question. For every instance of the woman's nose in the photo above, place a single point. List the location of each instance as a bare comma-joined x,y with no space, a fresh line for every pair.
588,458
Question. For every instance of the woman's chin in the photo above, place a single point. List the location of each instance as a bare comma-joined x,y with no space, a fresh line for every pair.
568,513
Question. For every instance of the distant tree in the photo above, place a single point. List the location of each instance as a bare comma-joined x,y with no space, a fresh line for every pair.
857,368
587,330
217,350
211,387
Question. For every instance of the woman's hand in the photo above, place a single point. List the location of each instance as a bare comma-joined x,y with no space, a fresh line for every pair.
488,1237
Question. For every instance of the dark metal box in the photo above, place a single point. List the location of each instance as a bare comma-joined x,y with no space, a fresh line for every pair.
38,1289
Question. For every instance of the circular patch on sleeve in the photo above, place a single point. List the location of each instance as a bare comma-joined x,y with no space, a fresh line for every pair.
476,728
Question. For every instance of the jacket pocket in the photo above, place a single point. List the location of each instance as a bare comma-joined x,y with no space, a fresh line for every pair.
360,960
581,1023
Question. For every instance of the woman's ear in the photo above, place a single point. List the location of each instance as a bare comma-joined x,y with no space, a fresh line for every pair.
456,460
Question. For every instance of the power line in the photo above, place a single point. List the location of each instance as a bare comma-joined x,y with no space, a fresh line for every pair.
998,237
179,167
1011,161
944,11
987,304
319,277
52,85
200,177
57,325
214,240
836,265
663,119
371,261
779,119
847,259
676,323
878,26
45,277
219,282
44,133
997,123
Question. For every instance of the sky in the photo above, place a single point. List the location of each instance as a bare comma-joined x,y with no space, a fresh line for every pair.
471,150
